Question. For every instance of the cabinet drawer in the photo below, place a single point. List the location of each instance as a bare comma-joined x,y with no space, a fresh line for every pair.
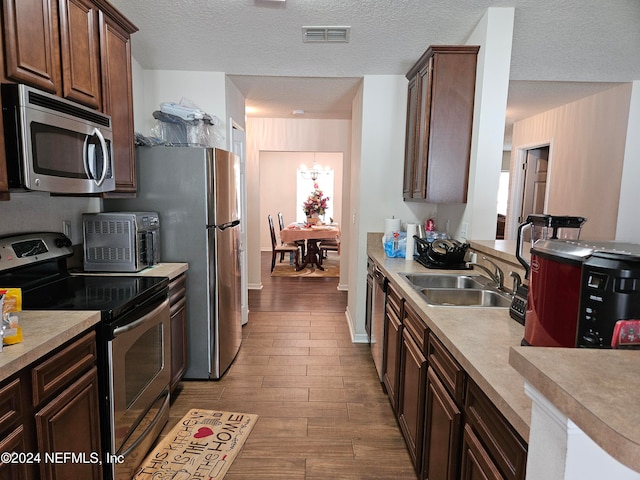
177,288
416,327
507,450
394,300
59,370
10,405
443,363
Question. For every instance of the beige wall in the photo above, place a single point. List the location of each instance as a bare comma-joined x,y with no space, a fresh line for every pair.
587,148
278,182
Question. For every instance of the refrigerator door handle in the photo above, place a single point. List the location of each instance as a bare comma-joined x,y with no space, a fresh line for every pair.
224,226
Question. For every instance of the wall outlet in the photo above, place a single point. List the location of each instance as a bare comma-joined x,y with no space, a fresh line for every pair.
66,228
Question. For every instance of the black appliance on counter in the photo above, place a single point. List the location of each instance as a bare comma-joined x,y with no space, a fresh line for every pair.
609,312
133,338
441,254
584,294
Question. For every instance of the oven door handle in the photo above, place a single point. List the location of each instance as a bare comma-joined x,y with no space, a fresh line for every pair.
150,427
130,326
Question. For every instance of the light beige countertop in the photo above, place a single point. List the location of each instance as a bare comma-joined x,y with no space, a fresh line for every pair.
42,333
170,270
596,389
479,339
504,249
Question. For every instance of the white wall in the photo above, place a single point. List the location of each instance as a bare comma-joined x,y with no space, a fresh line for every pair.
628,226
588,141
290,135
377,170
207,90
494,35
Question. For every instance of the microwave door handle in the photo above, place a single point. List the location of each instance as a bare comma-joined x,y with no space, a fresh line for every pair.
105,157
86,156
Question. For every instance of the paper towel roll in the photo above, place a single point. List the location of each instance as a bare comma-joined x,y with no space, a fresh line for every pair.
391,225
412,229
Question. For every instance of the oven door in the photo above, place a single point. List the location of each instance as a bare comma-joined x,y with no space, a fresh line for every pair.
139,364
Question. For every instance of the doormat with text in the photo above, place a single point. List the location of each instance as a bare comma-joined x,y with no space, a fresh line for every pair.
203,444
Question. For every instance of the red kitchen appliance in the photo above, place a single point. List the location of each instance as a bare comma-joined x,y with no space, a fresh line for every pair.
539,227
554,293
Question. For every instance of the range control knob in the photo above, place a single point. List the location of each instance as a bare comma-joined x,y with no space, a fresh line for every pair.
62,241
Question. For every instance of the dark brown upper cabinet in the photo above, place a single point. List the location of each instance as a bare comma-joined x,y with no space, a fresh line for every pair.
439,124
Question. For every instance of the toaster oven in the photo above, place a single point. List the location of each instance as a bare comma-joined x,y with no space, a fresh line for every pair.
120,241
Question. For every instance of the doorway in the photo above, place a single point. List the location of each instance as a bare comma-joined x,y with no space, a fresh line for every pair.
534,186
529,186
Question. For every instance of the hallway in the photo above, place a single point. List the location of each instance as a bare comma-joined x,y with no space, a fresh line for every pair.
323,414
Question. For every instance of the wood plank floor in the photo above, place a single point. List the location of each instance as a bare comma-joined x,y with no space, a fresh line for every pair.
323,414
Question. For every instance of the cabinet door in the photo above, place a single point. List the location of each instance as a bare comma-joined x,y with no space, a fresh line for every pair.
71,423
476,463
14,442
392,343
425,78
410,137
31,43
117,94
443,423
178,341
412,397
79,45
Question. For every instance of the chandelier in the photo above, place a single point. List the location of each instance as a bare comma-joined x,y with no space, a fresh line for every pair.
314,172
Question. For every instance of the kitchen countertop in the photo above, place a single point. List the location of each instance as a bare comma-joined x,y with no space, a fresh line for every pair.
170,270
596,389
44,331
479,339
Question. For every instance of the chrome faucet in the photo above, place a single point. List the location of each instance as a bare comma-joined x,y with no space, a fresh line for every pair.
497,275
517,281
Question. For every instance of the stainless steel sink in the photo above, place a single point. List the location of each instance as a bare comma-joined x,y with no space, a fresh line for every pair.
458,290
444,280
456,297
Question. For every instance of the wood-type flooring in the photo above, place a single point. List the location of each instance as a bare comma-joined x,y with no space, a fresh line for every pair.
323,413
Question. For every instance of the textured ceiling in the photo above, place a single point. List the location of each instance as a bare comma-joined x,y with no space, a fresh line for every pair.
589,43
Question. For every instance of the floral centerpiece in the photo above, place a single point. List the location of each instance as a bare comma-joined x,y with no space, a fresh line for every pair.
315,205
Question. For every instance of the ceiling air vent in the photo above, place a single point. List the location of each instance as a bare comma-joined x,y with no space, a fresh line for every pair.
325,34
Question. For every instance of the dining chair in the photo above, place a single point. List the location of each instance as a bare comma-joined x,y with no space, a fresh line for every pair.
299,243
275,248
327,245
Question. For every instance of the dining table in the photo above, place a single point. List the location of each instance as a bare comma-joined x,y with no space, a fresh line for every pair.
312,234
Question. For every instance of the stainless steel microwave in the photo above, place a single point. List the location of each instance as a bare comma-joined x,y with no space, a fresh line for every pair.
55,145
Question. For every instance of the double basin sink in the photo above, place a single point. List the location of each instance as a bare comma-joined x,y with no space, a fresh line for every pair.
458,290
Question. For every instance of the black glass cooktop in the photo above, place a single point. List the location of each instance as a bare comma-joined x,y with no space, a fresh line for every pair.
112,295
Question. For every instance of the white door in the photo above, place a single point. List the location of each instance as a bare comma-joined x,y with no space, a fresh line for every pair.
535,181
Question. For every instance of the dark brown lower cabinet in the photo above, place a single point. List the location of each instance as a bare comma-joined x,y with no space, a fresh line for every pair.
506,451
476,462
178,314
442,432
52,408
412,396
71,423
392,348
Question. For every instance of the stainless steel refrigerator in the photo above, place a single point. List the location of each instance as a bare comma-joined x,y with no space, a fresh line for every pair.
196,192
